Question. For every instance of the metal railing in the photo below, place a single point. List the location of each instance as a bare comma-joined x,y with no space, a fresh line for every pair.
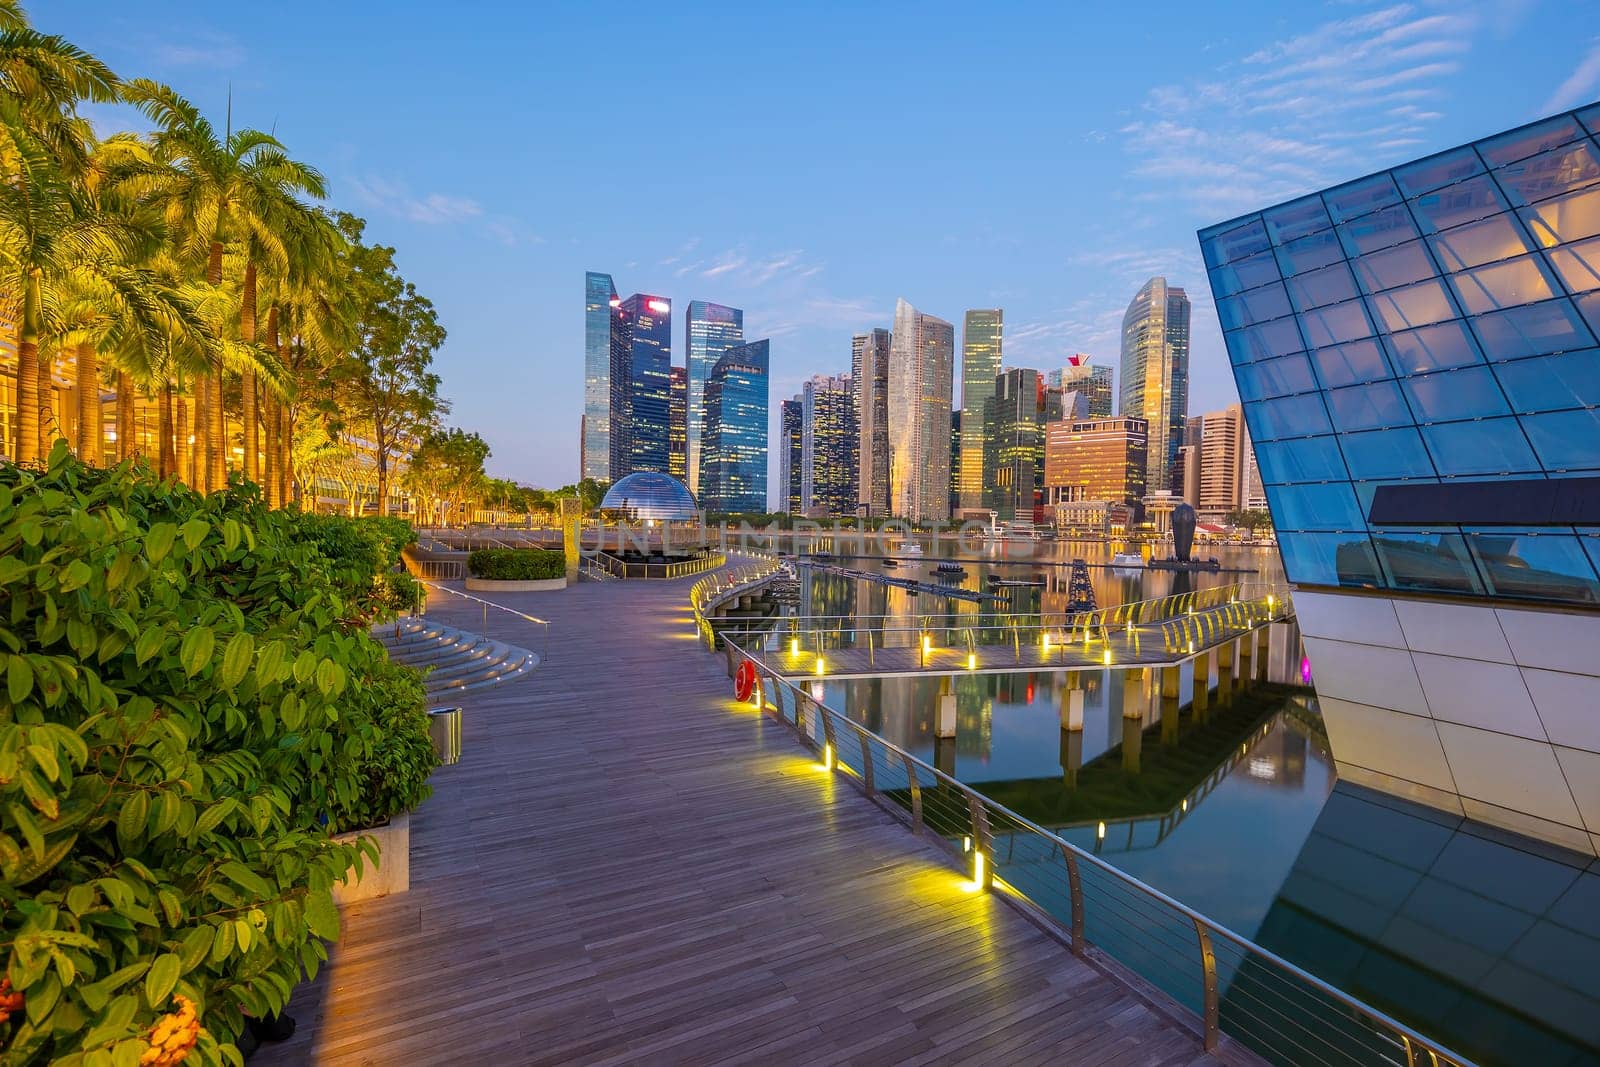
487,604
438,570
1276,1009
713,590
621,568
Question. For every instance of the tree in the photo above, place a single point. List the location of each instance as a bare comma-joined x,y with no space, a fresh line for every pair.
588,490
447,469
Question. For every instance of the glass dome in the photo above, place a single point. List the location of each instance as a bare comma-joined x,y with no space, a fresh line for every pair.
651,495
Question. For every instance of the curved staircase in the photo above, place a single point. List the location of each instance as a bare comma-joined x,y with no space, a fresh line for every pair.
456,661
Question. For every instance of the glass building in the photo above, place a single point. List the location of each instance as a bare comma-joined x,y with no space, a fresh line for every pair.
647,407
827,449
1013,439
1092,381
650,496
791,457
869,367
677,423
599,298
734,450
1417,356
1155,374
709,331
980,366
921,368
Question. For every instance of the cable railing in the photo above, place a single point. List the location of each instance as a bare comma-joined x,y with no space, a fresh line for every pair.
1276,1009
622,568
437,570
487,604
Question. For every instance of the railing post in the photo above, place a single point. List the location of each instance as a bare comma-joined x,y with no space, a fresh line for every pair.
916,793
1075,891
1208,964
866,762
982,840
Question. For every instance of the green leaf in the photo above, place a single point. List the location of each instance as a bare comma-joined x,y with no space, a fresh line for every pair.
45,759
230,534
270,663
305,665
212,816
236,660
322,915
76,575
148,644
195,652
160,979
131,819
196,943
158,542
194,531
245,879
19,679
29,827
330,679
222,944
242,933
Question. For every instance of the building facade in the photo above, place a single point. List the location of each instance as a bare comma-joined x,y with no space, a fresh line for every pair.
1155,374
1091,381
921,369
1096,460
1222,444
791,461
980,366
869,367
828,449
599,298
708,331
641,427
734,448
1418,354
1013,436
677,423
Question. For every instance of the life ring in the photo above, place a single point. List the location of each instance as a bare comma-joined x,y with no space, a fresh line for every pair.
744,680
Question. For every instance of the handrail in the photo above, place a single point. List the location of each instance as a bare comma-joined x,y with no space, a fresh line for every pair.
621,568
487,604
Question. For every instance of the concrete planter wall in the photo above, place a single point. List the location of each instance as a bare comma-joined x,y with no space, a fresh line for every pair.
494,585
393,872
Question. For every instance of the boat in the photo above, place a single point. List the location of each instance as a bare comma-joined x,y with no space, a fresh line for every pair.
1127,560
950,567
890,561
996,582
909,548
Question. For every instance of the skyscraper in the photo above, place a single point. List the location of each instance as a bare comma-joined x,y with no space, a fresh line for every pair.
921,368
827,454
791,457
733,454
709,331
646,408
980,365
869,367
599,297
621,392
677,428
1096,459
1012,435
1091,380
1155,374
1221,462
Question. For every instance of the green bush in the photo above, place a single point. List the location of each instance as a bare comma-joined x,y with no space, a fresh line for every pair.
186,710
396,533
402,591
516,564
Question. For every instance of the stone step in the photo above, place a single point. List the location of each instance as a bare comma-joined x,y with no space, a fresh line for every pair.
455,661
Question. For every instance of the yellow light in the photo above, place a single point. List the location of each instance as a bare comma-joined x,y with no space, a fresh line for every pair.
966,843
821,666
972,661
1100,832
979,862
1270,601
1191,646
1108,657
927,644
1047,642
1185,805
794,646
827,757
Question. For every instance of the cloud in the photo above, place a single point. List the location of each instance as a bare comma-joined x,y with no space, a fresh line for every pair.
205,48
1580,87
431,209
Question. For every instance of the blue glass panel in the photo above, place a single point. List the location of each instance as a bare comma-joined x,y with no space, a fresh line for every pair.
1309,459
1309,253
1467,393
1551,383
1368,407
1328,559
1530,566
1256,305
1326,286
1361,197
1275,377
1382,228
1247,273
1317,506
1396,453
1578,265
1489,446
1530,140
1399,265
1418,304
1553,326
1564,219
1296,219
1591,541
1588,306
1289,416
1358,361
1365,491
1566,440
1270,339
1433,562
1432,348
1336,324
1241,241
1457,204
1442,169
1501,285
1557,171
1497,237
1590,117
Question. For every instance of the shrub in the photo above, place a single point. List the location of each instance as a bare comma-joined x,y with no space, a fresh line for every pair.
393,776
184,711
402,591
516,564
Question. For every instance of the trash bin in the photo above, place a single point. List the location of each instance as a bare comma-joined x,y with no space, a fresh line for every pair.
444,727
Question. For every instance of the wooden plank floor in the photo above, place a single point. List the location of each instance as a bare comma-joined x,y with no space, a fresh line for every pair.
627,867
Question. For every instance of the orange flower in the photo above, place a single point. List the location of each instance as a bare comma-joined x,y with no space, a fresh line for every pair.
173,1036
10,1001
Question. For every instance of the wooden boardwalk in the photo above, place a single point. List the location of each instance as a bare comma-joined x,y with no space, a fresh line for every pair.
628,867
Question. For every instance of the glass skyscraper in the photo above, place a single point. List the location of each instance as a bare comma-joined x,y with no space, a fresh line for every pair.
646,353
869,368
980,365
921,367
677,423
791,460
1155,374
734,447
1418,354
599,298
1013,438
827,452
1092,381
710,330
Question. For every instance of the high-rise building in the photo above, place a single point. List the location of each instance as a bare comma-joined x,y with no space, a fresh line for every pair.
733,454
827,452
1155,374
791,457
1222,441
1418,359
1188,488
955,460
677,423
646,322
921,368
1092,380
709,331
621,460
869,367
1096,459
1253,495
980,366
1013,439
599,298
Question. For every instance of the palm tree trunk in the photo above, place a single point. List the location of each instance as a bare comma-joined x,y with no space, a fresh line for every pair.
217,455
248,406
124,420
269,420
208,422
28,399
91,435
166,456
184,449
49,428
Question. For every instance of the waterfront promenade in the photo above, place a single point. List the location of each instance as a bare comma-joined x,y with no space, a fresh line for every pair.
627,866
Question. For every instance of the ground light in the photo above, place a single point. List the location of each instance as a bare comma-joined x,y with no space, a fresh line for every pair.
1108,657
1100,832
980,863
972,662
827,756
794,646
821,666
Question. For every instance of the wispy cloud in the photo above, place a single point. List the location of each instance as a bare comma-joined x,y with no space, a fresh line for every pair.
1580,87
741,268
203,48
430,209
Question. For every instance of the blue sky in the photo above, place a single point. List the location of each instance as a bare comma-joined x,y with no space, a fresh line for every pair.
812,162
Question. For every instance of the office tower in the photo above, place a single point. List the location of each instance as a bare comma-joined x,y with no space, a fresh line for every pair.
1221,462
980,365
1155,373
1013,439
1062,403
1253,495
1096,459
619,420
677,423
921,365
1189,475
599,298
1416,355
1193,427
791,457
641,336
1092,380
708,332
733,455
827,451
869,363
955,460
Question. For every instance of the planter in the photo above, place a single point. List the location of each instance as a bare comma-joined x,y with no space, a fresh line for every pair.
495,585
393,872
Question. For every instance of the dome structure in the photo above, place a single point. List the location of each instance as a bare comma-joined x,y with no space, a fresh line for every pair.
651,495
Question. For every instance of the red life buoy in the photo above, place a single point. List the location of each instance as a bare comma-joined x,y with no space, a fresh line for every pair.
744,680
